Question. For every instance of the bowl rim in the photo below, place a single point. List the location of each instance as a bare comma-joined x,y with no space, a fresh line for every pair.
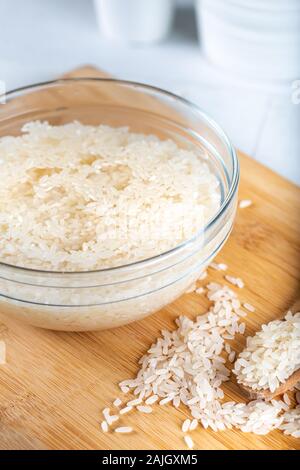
196,109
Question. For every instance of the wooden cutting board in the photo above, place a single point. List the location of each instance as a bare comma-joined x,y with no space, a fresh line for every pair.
54,385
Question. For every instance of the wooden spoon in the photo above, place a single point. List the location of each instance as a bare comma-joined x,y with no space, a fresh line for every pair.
266,394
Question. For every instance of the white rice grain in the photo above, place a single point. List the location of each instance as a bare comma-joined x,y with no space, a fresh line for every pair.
186,425
144,409
123,430
236,281
112,419
193,424
134,402
200,290
151,400
286,399
245,203
189,442
166,400
117,402
125,410
176,401
104,426
249,307
218,266
106,413
231,357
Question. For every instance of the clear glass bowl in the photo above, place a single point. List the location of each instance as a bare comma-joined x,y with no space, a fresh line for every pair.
80,301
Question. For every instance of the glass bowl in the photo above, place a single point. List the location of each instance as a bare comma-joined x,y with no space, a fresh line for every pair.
106,298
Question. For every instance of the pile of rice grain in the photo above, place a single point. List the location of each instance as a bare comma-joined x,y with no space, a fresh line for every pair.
78,197
271,356
188,365
291,422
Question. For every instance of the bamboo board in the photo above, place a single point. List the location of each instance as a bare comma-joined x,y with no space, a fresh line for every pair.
54,385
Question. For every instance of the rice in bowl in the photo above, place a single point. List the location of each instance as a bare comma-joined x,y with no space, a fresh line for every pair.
101,226
80,198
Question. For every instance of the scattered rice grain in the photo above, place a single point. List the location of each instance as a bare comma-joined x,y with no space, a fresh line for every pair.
249,307
134,402
231,356
124,430
144,409
218,266
106,413
151,400
125,410
200,290
189,442
112,419
193,424
117,402
245,203
166,400
104,426
186,425
193,370
236,281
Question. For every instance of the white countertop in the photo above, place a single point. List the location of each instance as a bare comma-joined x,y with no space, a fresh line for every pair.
41,39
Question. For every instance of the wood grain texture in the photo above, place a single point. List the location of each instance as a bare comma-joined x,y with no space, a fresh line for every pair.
267,394
54,385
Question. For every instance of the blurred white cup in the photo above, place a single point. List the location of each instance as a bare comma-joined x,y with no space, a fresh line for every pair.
256,38
138,21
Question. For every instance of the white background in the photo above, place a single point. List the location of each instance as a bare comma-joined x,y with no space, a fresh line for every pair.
41,39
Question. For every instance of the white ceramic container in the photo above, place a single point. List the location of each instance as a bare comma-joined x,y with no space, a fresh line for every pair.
134,21
257,38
